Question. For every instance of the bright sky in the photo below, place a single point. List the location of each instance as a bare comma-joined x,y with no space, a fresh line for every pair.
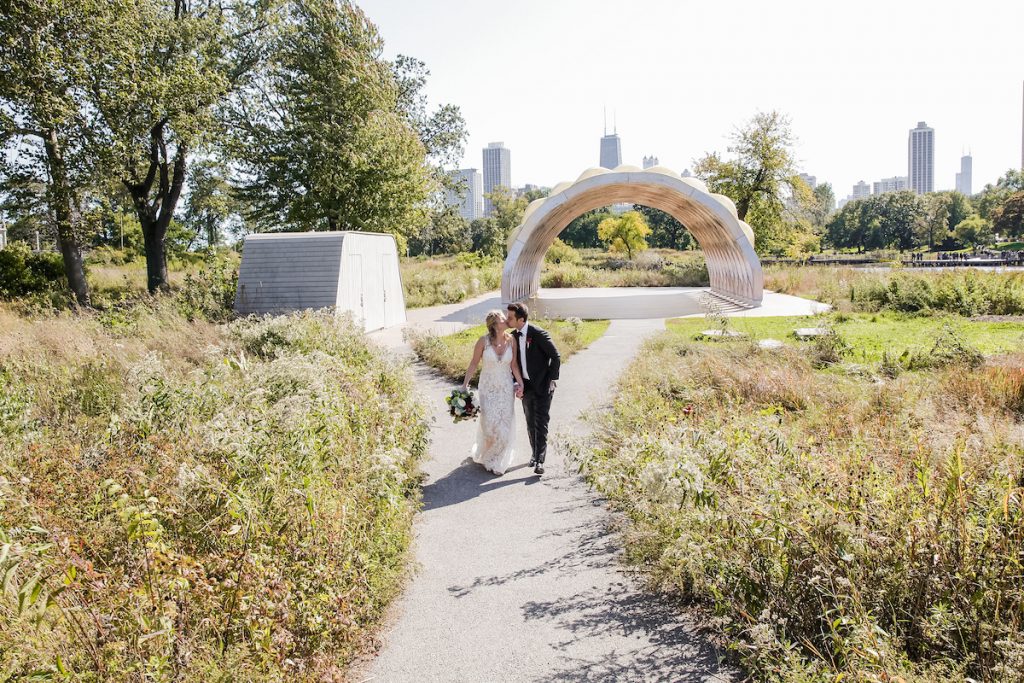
681,75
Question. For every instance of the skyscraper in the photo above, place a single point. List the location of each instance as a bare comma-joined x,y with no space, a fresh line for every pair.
650,162
468,195
861,190
611,151
497,171
921,158
963,178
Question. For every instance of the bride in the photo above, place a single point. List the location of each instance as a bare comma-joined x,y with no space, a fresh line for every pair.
496,432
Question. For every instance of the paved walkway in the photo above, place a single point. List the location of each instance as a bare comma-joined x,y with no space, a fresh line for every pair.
519,577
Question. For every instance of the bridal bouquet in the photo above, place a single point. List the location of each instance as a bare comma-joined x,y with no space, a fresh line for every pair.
461,405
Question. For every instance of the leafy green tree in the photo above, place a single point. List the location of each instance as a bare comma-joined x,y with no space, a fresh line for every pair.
581,232
899,214
491,234
974,232
448,233
986,201
626,233
45,132
666,231
157,92
824,204
757,177
329,135
211,205
1008,217
535,194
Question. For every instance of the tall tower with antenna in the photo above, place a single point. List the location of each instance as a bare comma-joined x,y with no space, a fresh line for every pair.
611,146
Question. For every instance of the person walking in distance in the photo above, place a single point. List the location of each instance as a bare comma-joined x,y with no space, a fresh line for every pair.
538,361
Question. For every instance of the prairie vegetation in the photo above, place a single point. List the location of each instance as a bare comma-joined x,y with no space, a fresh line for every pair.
961,291
839,520
182,500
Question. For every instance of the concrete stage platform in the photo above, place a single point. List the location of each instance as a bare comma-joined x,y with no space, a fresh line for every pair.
622,303
612,303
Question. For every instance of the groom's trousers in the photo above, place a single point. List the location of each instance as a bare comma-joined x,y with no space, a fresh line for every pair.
537,407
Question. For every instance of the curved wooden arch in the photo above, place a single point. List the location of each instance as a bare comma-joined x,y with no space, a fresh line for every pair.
727,242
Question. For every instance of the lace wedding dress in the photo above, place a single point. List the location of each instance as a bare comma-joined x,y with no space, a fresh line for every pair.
495,434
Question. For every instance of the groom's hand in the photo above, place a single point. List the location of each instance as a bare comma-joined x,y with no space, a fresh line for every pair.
551,387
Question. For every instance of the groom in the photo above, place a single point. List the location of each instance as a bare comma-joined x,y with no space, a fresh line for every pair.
538,362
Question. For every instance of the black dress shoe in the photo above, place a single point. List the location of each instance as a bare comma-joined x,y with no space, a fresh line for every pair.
539,469
533,462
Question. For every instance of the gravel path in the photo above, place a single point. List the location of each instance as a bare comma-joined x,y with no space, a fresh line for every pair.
518,577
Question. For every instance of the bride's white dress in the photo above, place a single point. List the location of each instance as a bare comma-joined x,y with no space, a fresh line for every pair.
495,436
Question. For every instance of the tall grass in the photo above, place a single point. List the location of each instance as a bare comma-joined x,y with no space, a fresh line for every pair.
186,501
963,291
838,526
448,279
651,268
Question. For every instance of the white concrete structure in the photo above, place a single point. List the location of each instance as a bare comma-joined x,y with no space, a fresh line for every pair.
921,158
349,271
727,242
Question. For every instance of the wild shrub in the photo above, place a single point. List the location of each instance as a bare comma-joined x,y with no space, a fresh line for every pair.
866,532
24,272
560,252
240,511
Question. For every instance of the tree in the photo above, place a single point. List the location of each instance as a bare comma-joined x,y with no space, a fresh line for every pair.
211,204
974,232
666,231
986,201
758,176
157,93
581,232
448,233
899,214
1008,217
44,130
492,233
824,204
329,135
627,233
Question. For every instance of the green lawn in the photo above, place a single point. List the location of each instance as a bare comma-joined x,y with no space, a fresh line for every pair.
450,355
869,335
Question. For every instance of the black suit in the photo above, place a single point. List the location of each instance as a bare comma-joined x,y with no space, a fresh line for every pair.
542,362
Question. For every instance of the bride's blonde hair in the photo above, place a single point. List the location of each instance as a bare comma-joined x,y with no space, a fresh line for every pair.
492,320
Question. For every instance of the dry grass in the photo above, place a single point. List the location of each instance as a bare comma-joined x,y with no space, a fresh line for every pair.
187,501
840,524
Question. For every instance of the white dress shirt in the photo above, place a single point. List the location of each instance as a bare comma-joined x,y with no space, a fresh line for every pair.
522,350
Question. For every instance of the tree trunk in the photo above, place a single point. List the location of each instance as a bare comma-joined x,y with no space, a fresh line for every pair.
63,211
155,214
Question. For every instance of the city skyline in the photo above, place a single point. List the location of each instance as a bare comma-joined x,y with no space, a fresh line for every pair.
847,128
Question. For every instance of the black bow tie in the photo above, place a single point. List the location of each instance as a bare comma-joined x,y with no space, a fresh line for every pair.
517,334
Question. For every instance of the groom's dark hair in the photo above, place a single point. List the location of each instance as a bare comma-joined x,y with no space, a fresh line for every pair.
521,311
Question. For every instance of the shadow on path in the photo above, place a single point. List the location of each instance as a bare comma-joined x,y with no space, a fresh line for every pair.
666,649
467,481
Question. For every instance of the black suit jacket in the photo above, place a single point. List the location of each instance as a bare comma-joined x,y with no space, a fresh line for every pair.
542,359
